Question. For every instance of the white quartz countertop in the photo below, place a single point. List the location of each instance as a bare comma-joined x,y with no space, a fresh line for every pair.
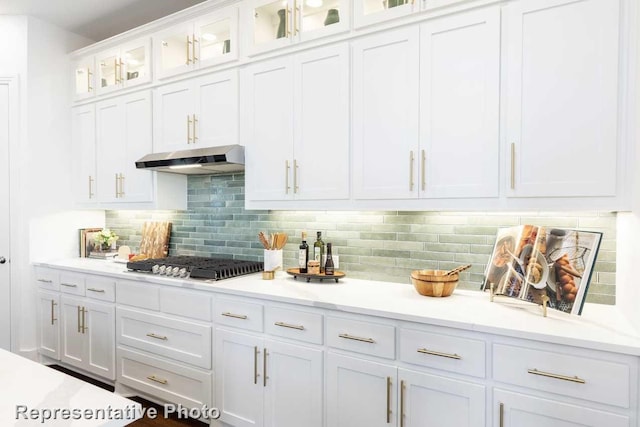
600,327
35,392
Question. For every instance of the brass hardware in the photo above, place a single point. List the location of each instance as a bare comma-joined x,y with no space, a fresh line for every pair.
117,187
68,285
286,22
121,64
264,368
188,129
402,403
296,10
574,379
195,121
501,414
295,176
158,380
255,364
286,177
194,58
437,353
115,71
188,56
53,304
351,337
84,320
288,325
388,400
423,170
235,316
513,166
411,159
79,328
96,290
45,280
89,74
121,185
158,337
90,187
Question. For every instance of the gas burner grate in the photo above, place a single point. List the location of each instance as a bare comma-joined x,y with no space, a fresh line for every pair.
203,268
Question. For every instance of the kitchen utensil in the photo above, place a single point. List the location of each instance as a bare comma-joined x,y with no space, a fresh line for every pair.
263,240
457,269
155,239
434,283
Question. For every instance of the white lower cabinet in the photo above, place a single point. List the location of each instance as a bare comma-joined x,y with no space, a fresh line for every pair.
49,324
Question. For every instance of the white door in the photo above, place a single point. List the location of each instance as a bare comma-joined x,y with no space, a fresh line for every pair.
83,140
360,393
521,410
136,184
321,124
239,381
267,107
385,114
294,390
173,110
561,97
72,333
427,400
49,324
459,105
109,150
99,336
5,228
216,109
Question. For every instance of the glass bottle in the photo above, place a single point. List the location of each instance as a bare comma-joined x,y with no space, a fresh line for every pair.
303,254
328,267
318,250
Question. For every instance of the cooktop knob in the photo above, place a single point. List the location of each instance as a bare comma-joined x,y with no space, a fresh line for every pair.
175,272
162,269
182,272
155,269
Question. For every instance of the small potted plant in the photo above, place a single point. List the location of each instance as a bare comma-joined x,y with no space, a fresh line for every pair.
105,239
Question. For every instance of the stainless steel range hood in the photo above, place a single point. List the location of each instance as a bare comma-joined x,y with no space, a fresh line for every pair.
199,161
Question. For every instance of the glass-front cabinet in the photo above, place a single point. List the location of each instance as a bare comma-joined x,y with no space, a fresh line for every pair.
83,78
196,44
367,12
125,66
276,24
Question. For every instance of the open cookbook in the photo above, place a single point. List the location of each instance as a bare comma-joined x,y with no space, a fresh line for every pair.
529,261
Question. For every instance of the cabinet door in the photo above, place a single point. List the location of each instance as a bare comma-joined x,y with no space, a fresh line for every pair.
173,109
216,37
267,108
216,108
367,12
318,18
173,50
293,391
239,381
110,147
270,24
108,71
360,393
459,105
520,410
72,333
321,124
99,336
49,324
84,79
136,185
432,400
83,140
562,103
385,115
135,62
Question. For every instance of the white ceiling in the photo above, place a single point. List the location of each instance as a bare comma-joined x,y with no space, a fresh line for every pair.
95,19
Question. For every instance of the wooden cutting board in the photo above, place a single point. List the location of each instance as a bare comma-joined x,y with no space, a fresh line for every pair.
155,239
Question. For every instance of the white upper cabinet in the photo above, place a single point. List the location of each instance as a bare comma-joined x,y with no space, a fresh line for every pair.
207,41
124,66
561,82
197,113
273,24
83,142
84,78
367,12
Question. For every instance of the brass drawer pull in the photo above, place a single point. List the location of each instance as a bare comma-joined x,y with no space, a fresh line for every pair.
69,285
388,400
158,380
574,379
351,337
235,316
437,353
264,368
45,280
53,304
288,325
96,290
158,337
255,364
501,414
402,387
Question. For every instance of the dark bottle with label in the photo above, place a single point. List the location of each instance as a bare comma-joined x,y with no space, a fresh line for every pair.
328,267
318,250
303,254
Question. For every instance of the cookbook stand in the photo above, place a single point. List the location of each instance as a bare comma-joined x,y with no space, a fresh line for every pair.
545,299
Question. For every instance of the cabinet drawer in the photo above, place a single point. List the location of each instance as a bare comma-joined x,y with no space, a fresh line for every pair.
181,340
138,294
185,303
295,324
47,279
72,283
241,314
361,336
568,373
168,381
441,351
102,288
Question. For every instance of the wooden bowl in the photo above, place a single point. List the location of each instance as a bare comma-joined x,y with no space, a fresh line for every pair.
434,283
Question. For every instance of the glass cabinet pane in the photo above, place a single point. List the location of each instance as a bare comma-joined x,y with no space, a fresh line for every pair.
175,51
317,14
270,22
83,80
108,71
135,63
375,6
215,39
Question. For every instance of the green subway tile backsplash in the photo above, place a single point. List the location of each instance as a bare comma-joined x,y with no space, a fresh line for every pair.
371,245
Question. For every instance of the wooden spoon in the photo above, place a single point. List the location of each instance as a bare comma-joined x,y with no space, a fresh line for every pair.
457,270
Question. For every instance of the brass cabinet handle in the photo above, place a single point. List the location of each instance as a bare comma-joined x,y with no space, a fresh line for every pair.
235,316
411,159
423,170
121,64
437,353
195,121
401,403
295,176
255,364
79,327
115,71
117,187
188,51
89,74
68,285
286,22
513,166
45,280
90,187
388,400
188,129
288,325
286,177
121,185
158,337
264,368
351,337
96,290
574,379
501,414
296,10
84,320
194,58
53,304
156,379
